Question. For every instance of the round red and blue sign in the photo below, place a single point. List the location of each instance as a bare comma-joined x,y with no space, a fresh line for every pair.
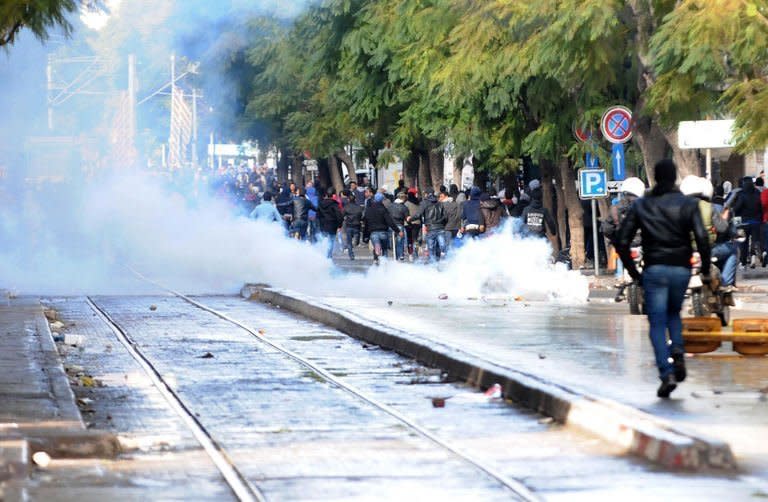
616,124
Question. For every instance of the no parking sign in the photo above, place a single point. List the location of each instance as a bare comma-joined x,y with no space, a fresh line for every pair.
616,124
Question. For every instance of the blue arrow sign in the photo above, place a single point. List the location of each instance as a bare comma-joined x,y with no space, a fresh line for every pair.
591,161
617,161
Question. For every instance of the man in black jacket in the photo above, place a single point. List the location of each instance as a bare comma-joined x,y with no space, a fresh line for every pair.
329,218
378,221
353,217
536,218
399,214
301,207
666,219
433,217
746,205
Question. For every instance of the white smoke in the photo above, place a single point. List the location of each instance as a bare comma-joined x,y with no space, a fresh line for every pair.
84,244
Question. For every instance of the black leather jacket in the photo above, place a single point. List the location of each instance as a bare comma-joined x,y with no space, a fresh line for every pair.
666,220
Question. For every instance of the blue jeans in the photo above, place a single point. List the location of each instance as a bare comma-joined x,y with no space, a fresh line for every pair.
379,240
401,243
300,227
353,239
331,242
436,244
727,255
664,288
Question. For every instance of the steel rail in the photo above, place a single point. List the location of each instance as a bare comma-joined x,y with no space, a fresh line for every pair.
517,487
238,483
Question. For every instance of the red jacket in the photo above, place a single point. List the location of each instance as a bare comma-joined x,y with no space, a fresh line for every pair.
764,203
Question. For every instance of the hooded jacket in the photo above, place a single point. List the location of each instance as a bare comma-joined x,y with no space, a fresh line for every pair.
666,218
329,216
545,220
492,212
747,202
301,208
470,211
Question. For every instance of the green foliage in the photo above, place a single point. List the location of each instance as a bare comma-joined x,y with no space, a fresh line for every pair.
39,16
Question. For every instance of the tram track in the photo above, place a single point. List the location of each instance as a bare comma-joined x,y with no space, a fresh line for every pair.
241,487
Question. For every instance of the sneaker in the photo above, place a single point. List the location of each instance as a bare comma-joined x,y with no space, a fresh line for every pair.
678,362
668,384
752,261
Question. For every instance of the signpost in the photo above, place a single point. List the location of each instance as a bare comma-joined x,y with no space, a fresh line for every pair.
616,124
593,184
617,162
591,162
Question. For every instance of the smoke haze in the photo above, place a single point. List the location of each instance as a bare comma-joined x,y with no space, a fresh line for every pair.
78,234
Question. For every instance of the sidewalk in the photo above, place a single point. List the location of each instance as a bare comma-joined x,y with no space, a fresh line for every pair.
594,349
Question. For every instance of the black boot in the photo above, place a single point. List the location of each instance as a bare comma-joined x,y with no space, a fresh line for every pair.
678,362
668,384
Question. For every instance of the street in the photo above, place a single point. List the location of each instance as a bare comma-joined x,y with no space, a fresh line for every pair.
294,435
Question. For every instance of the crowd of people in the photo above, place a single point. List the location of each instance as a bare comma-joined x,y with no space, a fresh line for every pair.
405,222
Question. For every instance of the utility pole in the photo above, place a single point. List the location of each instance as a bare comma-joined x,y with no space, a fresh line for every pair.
132,99
49,78
171,155
194,128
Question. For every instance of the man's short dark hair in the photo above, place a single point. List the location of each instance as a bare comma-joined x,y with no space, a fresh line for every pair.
267,196
759,182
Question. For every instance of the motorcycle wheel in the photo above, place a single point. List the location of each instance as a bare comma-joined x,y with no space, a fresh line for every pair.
725,313
697,299
633,297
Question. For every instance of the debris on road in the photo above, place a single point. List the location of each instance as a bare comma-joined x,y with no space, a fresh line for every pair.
443,297
153,307
56,325
207,355
74,340
438,402
41,459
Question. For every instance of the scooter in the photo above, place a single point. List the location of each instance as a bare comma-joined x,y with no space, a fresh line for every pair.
708,299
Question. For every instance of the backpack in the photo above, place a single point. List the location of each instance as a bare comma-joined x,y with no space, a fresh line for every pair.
534,221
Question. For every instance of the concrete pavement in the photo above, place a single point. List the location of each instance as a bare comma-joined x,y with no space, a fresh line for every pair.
590,350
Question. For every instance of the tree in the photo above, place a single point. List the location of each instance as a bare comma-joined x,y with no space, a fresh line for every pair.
709,59
38,16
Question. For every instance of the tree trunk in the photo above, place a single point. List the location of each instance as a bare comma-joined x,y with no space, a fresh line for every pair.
653,145
575,213
344,157
687,161
436,165
561,223
425,175
411,169
335,172
282,166
458,164
297,171
323,176
547,169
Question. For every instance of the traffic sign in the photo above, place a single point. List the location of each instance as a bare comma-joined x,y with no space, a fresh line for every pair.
616,124
617,162
593,183
591,162
582,135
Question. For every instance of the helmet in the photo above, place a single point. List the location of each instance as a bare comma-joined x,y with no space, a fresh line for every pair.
633,185
691,185
706,189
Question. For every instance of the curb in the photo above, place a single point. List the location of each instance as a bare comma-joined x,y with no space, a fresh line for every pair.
636,432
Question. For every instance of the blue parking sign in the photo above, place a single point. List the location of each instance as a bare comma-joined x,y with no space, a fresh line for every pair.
593,183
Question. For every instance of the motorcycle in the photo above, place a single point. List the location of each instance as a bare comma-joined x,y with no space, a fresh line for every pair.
633,289
708,299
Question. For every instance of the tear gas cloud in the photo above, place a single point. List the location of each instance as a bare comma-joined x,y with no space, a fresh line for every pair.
83,243
79,235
